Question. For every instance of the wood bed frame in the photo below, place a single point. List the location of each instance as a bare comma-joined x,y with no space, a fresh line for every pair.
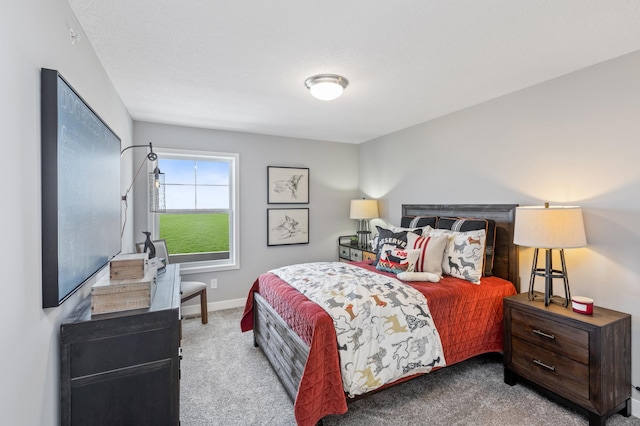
288,353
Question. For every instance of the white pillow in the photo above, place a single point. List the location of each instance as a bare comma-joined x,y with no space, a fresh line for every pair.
431,252
418,276
464,254
394,228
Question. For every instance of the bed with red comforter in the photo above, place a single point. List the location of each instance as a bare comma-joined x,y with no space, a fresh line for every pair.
299,339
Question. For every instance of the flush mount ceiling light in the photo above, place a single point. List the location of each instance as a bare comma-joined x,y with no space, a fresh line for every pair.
326,87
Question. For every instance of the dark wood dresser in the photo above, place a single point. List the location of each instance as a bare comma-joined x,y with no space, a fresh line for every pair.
123,368
584,359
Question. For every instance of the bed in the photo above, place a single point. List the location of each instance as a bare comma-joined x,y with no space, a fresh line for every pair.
299,339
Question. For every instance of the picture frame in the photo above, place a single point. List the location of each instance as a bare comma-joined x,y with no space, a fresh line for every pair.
287,226
287,185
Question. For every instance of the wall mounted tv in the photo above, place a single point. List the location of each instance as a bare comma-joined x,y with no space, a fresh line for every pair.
80,160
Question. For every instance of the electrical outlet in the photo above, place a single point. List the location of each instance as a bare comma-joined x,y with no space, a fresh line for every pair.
214,283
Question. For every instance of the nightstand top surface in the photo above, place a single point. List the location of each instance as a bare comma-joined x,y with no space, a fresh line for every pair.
601,316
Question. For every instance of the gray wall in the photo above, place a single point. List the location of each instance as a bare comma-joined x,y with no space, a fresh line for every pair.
573,140
333,180
35,34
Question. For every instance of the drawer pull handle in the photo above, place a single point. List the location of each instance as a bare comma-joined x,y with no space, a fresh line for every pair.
548,336
542,364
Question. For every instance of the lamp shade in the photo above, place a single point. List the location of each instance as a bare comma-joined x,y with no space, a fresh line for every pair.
554,227
364,209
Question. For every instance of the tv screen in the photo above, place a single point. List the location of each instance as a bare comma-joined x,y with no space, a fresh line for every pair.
80,159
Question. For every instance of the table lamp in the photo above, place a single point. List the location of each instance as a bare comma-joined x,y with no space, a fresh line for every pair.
549,228
363,210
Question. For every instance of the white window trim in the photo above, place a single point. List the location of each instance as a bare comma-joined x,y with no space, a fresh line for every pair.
234,242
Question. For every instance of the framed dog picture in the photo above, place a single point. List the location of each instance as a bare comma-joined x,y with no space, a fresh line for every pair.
288,185
287,226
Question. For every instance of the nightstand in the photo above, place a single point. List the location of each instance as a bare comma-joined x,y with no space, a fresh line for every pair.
348,252
584,359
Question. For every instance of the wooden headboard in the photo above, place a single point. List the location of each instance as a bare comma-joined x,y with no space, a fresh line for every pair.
505,262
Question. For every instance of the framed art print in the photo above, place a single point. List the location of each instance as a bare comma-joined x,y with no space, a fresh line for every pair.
287,226
288,185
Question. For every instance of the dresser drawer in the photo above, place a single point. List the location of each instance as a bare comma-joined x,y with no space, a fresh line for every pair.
550,369
554,336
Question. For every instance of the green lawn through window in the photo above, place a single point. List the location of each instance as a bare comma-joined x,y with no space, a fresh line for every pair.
195,233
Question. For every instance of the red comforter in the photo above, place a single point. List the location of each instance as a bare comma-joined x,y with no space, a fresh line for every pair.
468,318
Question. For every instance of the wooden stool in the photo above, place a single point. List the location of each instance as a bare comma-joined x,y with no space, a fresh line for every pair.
191,289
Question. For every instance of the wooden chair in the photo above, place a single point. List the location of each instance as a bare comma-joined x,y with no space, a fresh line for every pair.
188,289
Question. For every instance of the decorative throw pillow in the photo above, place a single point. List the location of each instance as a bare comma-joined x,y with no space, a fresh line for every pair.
471,224
463,256
407,224
430,252
419,276
387,236
394,228
394,259
418,221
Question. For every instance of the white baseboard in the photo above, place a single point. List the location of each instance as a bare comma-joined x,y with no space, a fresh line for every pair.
635,407
194,309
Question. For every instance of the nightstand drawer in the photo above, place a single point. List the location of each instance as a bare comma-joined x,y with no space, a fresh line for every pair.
554,336
345,252
550,369
369,257
356,255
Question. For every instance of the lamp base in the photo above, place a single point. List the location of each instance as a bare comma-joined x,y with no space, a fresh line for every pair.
363,233
548,273
537,296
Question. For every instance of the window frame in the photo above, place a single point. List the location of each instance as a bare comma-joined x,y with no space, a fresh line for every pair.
153,219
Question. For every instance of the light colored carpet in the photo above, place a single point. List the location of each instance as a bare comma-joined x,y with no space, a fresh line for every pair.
227,381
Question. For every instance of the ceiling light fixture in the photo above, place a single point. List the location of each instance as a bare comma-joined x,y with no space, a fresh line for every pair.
326,87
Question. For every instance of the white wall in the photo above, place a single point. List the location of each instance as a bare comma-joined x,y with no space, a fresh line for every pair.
333,180
573,140
35,34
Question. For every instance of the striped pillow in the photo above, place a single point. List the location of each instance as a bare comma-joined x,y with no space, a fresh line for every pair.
431,252
418,221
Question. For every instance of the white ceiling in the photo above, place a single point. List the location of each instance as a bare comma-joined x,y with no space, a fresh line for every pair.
241,64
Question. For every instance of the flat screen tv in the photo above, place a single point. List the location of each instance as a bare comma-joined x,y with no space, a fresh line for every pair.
80,160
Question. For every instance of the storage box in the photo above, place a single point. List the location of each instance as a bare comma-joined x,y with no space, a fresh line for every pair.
109,295
129,266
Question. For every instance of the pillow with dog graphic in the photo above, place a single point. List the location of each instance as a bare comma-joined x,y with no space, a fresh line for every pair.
387,236
471,224
395,259
464,254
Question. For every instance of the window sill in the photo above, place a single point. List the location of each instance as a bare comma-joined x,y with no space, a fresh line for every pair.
189,268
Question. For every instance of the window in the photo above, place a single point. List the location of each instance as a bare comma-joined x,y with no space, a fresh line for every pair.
200,223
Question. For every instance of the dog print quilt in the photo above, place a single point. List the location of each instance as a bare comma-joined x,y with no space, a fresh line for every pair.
383,326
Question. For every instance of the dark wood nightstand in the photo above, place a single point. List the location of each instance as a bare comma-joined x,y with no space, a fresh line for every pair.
348,252
584,359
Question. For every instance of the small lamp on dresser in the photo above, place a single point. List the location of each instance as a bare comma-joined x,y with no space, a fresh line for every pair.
363,211
549,228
